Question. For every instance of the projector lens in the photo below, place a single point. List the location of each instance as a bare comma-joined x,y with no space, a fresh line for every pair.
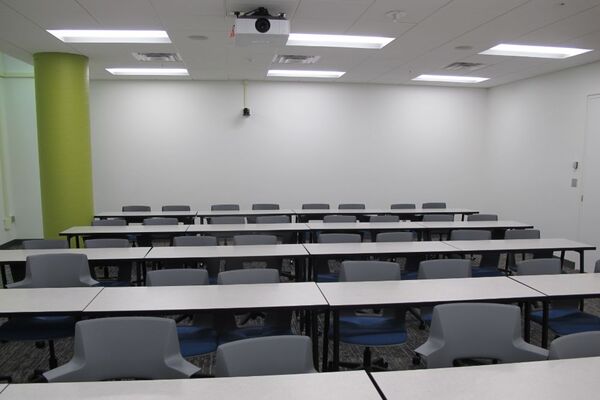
262,25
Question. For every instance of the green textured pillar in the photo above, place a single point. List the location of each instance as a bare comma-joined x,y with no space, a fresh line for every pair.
63,121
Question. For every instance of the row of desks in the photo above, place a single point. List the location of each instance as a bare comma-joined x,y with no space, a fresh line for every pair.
542,380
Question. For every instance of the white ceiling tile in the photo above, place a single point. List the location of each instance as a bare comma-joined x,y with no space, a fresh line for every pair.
274,7
54,14
348,10
119,14
308,25
416,10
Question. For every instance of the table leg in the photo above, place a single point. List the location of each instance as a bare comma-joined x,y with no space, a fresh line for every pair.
527,322
581,262
336,340
545,312
324,366
562,259
3,275
314,334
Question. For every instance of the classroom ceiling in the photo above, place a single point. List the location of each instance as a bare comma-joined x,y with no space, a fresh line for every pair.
430,34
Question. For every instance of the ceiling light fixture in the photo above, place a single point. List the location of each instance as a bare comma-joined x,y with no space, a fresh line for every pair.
289,73
359,42
149,71
110,36
450,78
519,50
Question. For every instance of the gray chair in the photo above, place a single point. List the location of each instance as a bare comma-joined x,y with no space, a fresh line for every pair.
482,217
225,207
124,347
315,206
576,345
324,273
160,221
403,206
477,331
384,218
488,265
395,237
441,233
265,206
124,268
109,222
351,206
134,208
272,355
254,239
227,220
524,234
45,244
176,208
148,240
411,263
434,205
339,218
273,219
177,277
213,266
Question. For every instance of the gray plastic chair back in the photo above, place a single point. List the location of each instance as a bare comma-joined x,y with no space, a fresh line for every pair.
315,206
434,205
477,330
244,240
340,238
56,271
35,244
177,277
575,345
265,206
339,218
482,217
135,208
109,222
248,276
522,234
225,207
470,234
271,355
539,266
160,221
124,347
227,220
361,271
194,241
176,208
106,243
403,206
273,219
438,217
384,218
395,237
597,266
351,206
444,269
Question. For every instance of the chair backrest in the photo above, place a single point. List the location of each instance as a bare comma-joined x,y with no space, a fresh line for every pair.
177,277
384,218
160,221
522,234
395,237
106,243
176,208
271,355
135,208
273,219
247,276
359,271
351,206
576,345
109,222
234,219
539,266
225,207
438,217
482,217
56,271
124,347
403,206
444,268
470,234
45,244
339,238
339,218
243,240
194,241
265,206
435,204
597,266
315,206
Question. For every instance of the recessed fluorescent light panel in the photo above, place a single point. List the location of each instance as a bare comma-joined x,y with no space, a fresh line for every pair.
290,73
149,71
450,78
359,42
110,36
519,50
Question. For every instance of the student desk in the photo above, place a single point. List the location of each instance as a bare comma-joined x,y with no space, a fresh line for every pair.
410,213
138,216
46,301
122,231
204,214
242,229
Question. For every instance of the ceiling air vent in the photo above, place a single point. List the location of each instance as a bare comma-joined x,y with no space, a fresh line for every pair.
162,57
464,66
295,59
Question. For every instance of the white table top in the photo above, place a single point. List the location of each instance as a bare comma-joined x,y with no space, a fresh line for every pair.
474,225
113,253
247,228
351,385
243,213
210,297
124,230
46,300
351,294
407,211
3,386
356,226
563,284
145,214
332,249
574,379
196,252
518,245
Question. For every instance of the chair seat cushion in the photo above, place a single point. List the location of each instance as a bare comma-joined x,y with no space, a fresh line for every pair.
37,328
486,271
251,332
566,321
371,330
196,340
327,277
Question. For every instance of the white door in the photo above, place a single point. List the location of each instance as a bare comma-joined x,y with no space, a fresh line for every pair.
589,217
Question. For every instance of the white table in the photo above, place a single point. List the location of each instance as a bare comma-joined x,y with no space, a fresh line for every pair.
409,212
46,300
575,379
203,214
352,385
138,216
78,231
474,225
223,252
247,228
377,248
3,386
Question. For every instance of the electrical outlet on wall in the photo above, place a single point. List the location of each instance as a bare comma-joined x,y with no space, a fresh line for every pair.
574,182
8,221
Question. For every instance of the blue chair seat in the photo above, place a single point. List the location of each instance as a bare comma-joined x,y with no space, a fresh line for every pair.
251,332
195,340
566,321
37,328
371,330
409,275
486,272
327,277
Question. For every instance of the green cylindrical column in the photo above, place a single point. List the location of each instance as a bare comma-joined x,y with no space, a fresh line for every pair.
63,121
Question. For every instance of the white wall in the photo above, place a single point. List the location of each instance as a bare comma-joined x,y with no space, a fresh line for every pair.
161,142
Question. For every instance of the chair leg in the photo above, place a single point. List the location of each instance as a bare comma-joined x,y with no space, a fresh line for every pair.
52,362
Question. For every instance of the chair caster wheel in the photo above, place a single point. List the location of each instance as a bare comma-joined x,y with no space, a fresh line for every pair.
416,360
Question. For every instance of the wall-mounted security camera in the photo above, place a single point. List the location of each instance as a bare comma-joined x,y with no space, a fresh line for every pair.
246,112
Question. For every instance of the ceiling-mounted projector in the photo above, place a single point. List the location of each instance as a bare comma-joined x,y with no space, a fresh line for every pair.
260,27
